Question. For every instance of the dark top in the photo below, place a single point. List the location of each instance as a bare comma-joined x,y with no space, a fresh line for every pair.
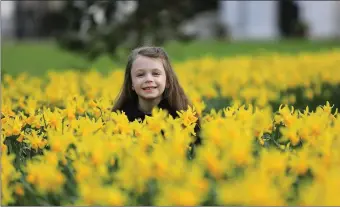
132,112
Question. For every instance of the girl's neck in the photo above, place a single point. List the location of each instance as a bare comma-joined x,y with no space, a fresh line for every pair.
146,106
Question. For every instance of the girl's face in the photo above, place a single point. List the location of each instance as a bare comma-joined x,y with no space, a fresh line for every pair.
148,78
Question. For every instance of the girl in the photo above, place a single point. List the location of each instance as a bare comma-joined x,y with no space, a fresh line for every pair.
150,81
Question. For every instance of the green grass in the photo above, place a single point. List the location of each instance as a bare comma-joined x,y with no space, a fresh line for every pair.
35,58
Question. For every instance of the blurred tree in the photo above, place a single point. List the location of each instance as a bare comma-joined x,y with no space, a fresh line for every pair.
111,27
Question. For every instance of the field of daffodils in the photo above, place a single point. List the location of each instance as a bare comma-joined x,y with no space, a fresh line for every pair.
269,125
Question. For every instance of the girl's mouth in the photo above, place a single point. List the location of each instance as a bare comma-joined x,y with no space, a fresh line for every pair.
147,89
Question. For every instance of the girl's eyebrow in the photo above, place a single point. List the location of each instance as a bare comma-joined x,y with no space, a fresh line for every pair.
142,69
158,70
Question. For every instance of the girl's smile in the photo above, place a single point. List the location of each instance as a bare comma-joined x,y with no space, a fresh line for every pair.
149,89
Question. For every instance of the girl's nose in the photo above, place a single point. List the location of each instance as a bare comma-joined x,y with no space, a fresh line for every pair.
149,78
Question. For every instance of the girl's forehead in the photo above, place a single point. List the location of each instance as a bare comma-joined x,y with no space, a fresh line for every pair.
146,63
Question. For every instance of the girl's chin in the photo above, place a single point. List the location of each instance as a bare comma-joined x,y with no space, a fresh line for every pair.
150,97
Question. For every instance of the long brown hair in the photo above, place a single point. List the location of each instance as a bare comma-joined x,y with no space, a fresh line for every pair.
174,93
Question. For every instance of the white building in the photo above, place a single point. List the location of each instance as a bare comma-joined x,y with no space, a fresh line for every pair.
7,20
323,18
258,19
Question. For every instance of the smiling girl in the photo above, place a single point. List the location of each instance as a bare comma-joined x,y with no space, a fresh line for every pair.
149,82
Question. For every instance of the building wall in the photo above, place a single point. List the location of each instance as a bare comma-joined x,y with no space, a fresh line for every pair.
258,19
249,19
322,18
7,18
338,19
261,20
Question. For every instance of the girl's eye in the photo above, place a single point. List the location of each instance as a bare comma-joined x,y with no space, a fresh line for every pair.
156,74
139,75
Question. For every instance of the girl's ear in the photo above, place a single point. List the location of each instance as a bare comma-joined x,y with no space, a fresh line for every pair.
132,88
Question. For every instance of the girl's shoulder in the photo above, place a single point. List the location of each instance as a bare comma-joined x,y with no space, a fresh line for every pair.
164,104
131,110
